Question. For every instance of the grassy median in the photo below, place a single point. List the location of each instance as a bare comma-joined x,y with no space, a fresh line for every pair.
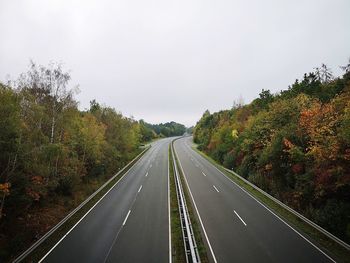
177,243
202,251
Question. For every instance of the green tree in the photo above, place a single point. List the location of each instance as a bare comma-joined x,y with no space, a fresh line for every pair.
9,140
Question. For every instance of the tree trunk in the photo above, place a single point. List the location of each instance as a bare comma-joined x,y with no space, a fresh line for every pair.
56,165
52,127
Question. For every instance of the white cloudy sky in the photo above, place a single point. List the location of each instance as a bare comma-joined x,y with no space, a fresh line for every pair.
164,60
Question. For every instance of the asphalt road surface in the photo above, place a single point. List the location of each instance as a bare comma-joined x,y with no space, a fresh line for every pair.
237,228
131,223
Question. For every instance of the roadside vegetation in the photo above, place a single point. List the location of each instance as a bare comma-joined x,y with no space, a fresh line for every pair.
53,155
40,251
295,145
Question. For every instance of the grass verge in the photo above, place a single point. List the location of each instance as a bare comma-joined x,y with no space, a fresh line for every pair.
197,232
177,243
44,247
336,251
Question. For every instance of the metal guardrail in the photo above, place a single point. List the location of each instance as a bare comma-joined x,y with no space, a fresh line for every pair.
303,218
53,229
191,249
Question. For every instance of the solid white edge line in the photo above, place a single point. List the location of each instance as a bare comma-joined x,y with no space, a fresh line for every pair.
126,218
139,189
169,215
240,218
268,209
195,206
216,189
204,174
88,212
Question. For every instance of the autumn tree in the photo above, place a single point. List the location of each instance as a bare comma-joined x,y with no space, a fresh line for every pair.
293,144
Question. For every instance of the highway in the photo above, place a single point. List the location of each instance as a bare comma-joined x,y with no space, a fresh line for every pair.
235,226
130,223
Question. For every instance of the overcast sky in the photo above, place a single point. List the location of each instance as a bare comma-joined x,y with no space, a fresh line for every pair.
171,60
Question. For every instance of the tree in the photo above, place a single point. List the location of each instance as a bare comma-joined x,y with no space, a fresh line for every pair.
9,140
48,85
324,74
346,68
294,144
265,98
52,154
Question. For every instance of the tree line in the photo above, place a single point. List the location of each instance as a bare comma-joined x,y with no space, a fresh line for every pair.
53,155
294,144
168,129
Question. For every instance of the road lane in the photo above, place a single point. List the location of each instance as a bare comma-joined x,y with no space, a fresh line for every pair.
145,236
238,227
125,216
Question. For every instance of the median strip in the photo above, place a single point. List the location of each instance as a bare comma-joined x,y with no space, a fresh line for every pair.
191,249
197,224
177,243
